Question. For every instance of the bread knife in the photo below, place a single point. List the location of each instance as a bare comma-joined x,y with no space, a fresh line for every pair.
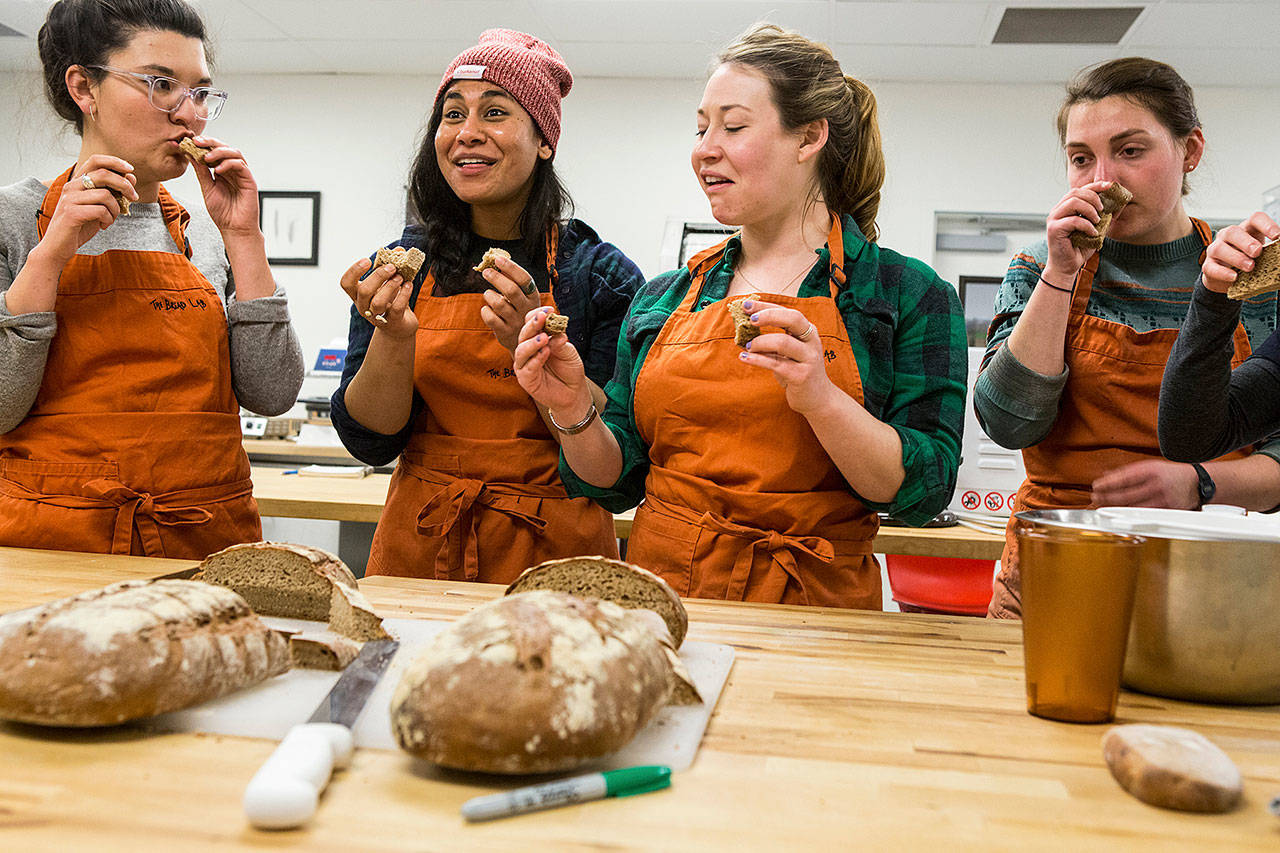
285,791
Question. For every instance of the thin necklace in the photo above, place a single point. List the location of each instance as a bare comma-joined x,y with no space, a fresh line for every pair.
784,290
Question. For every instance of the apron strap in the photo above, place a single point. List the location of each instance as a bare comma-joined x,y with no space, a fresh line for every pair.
451,513
780,549
142,511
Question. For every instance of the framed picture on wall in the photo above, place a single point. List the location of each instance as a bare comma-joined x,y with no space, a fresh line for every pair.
290,221
978,296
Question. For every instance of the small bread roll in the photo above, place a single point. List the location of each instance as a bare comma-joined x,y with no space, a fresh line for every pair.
1172,768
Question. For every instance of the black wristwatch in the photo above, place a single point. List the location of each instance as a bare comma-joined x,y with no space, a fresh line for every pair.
1205,488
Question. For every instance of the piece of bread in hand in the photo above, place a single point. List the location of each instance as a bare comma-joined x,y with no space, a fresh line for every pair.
121,200
743,329
556,324
406,261
1263,278
1173,768
626,585
1114,198
194,152
489,261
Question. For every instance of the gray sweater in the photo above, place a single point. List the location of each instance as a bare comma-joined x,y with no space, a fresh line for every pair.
1206,408
266,360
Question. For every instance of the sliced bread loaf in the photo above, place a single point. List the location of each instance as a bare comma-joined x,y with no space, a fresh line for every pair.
322,650
625,584
131,650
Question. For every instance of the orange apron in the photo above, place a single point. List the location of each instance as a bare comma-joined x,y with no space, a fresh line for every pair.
477,494
133,444
752,509
1106,418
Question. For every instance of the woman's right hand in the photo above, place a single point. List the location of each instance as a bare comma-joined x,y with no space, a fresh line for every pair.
381,297
549,368
1081,206
1235,249
82,212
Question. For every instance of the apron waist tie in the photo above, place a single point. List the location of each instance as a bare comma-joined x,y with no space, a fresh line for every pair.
455,518
780,549
141,510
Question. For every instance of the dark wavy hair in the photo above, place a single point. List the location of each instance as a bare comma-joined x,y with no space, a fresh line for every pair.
446,219
87,32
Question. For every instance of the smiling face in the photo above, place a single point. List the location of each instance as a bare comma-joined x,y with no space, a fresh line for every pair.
124,123
1116,139
487,147
750,166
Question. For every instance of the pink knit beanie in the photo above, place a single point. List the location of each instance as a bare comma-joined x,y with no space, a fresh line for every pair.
527,67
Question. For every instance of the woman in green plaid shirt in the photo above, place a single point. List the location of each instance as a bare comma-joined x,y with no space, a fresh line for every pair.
762,449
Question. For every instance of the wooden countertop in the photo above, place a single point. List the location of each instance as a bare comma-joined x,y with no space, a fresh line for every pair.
837,729
352,499
288,450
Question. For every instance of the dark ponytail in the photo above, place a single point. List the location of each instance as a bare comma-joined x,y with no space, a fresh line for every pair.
88,32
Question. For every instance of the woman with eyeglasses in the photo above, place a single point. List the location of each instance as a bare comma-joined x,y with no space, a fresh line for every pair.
132,330
477,493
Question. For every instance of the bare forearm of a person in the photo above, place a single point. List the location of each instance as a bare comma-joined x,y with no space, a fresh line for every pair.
35,287
1252,482
380,395
247,255
1038,337
867,451
593,454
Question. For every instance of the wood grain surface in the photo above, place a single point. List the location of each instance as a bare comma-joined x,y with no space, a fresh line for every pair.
837,730
349,499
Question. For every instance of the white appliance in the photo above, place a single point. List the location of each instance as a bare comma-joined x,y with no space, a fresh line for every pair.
989,474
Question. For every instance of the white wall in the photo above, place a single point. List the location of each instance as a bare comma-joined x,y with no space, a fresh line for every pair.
625,156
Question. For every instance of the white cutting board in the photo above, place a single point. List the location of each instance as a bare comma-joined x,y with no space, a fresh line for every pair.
270,709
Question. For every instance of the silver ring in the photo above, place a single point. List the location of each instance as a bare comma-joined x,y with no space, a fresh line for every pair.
87,182
808,333
381,318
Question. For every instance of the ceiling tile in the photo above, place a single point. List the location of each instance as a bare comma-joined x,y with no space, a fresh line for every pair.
413,57
459,20
909,23
1212,25
675,21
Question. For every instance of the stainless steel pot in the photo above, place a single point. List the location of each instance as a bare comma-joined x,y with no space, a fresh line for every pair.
1206,615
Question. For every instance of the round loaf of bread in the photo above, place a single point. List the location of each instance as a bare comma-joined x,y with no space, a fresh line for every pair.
625,584
531,683
131,650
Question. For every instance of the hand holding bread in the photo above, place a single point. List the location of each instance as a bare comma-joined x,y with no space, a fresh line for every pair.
230,191
1073,229
511,295
1243,260
549,368
381,294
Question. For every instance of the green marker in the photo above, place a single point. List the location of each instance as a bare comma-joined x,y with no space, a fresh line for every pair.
579,789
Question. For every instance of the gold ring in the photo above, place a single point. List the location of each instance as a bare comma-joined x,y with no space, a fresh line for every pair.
508,301
808,333
87,182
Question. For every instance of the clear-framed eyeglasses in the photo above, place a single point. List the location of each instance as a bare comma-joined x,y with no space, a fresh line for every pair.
167,94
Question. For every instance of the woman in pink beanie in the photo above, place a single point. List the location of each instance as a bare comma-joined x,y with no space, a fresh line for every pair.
477,493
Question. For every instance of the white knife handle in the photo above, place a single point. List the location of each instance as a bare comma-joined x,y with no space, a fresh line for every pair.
284,792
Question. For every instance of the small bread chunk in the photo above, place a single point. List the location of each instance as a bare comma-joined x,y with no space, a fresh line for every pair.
626,585
743,329
131,650
1114,198
406,261
533,683
122,201
322,650
489,260
1263,278
194,152
556,324
1172,768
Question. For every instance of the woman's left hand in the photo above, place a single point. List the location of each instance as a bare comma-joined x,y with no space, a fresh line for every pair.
795,355
1151,482
511,295
230,192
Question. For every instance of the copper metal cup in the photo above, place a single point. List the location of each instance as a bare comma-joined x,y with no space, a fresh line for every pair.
1077,597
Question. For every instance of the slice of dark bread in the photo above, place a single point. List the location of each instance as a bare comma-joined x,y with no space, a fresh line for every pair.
1114,198
325,650
1263,278
624,584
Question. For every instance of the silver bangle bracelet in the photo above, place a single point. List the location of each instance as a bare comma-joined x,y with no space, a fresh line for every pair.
579,426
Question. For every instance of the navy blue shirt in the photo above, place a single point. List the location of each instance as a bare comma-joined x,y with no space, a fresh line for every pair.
594,290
